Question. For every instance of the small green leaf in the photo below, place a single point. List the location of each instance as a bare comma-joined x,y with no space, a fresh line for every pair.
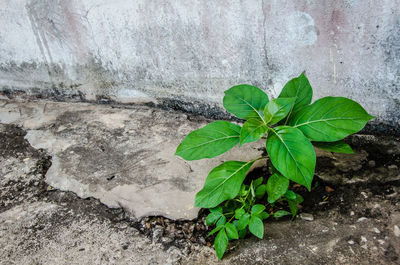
330,119
216,229
242,233
245,101
258,182
281,213
278,109
231,231
290,195
223,183
293,207
337,147
260,191
256,226
300,89
299,198
253,193
244,190
221,243
221,220
257,209
217,209
210,141
277,186
212,218
292,154
239,213
264,215
252,131
243,221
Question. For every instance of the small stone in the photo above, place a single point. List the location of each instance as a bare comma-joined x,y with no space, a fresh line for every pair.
363,239
364,246
329,189
371,163
396,231
26,159
148,225
307,217
393,167
158,232
362,219
202,240
352,213
376,230
364,194
380,241
392,195
166,240
351,242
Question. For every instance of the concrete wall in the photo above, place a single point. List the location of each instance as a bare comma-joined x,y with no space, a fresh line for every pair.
191,51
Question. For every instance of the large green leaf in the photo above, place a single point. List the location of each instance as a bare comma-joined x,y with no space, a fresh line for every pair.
292,154
277,186
330,119
337,147
223,183
252,130
245,101
210,141
278,109
300,89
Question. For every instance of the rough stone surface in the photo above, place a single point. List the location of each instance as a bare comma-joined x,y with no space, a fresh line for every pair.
124,157
167,49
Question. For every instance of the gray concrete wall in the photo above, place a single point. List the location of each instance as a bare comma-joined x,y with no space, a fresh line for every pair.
191,51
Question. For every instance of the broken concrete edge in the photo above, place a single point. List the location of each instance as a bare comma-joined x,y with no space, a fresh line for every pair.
208,110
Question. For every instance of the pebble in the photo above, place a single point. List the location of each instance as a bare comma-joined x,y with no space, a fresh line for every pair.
167,240
392,195
363,239
376,230
202,240
396,231
307,217
364,246
381,241
371,163
351,242
329,189
351,213
158,232
362,219
364,194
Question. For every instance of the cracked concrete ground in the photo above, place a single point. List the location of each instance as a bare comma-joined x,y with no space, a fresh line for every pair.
43,223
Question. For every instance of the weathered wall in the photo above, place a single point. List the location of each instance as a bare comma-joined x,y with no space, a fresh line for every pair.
194,50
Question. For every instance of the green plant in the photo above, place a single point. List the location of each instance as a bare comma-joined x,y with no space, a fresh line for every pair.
291,127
